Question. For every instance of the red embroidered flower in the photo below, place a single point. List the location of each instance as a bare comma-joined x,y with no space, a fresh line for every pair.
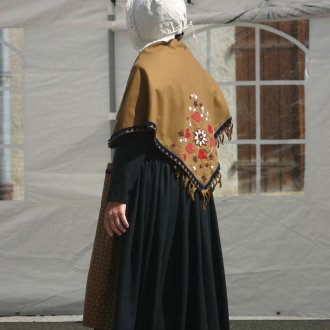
184,156
196,116
202,154
187,134
189,147
209,128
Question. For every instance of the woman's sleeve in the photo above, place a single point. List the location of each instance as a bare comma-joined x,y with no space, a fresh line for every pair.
128,158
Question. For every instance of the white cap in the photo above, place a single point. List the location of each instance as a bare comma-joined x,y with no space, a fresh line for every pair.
150,21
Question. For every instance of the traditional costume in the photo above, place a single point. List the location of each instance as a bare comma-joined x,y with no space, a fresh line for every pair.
166,271
170,92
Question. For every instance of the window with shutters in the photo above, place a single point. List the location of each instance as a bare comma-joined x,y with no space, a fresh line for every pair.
273,111
262,70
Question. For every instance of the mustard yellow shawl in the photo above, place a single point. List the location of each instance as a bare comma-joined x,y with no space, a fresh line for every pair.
170,92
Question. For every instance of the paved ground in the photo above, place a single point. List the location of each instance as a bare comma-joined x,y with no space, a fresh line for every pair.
280,325
235,325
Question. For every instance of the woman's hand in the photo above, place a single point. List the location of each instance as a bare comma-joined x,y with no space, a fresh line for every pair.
115,219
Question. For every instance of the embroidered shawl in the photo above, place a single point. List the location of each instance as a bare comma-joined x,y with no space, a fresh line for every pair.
170,92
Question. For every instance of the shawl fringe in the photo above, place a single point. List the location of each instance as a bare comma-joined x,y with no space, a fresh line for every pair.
190,186
227,129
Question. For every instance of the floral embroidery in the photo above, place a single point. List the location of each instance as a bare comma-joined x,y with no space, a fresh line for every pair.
198,139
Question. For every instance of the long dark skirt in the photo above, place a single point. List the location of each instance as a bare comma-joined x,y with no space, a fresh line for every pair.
171,274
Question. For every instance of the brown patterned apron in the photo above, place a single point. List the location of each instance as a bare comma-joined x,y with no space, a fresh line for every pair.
101,288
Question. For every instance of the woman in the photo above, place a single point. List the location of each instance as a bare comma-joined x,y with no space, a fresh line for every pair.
161,209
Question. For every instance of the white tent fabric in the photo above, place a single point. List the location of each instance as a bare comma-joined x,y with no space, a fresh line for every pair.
276,249
210,11
45,240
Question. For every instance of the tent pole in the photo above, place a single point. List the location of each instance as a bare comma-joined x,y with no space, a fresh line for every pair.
111,55
112,73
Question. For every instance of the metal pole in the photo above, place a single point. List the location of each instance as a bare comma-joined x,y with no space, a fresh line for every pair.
6,187
111,55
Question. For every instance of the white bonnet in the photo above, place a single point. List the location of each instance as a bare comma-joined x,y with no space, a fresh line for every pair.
149,21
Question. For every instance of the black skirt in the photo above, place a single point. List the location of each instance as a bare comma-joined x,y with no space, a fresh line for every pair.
172,272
